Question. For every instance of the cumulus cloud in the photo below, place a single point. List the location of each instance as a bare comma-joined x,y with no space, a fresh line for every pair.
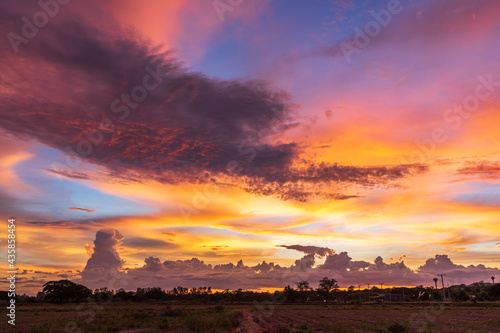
105,259
439,263
442,264
106,96
195,272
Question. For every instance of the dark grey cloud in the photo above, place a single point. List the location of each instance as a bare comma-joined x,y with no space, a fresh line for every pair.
106,96
309,249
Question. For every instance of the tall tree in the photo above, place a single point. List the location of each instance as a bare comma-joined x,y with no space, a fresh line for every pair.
326,285
290,294
304,288
303,285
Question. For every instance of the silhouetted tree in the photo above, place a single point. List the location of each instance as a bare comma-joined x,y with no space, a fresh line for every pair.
65,291
435,282
304,289
303,285
154,293
460,295
495,290
326,285
123,295
290,294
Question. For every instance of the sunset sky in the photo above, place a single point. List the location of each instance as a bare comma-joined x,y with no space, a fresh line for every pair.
153,143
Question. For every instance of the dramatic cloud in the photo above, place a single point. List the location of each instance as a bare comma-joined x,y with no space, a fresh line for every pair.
108,97
455,273
342,262
105,259
301,183
195,272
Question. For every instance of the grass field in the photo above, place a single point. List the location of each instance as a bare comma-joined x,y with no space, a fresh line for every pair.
163,317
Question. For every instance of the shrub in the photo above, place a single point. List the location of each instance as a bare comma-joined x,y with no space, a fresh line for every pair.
459,295
164,325
283,329
397,328
141,314
173,313
495,290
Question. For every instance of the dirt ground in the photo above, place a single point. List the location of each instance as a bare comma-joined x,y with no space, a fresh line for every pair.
247,318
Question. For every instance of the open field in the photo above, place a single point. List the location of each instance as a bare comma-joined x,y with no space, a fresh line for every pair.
430,317
163,317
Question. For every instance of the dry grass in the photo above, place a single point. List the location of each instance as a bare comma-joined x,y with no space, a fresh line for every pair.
163,317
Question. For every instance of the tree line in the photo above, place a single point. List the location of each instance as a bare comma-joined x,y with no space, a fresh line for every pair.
66,291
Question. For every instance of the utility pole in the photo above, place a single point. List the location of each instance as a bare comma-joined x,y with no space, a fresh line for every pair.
442,281
359,289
